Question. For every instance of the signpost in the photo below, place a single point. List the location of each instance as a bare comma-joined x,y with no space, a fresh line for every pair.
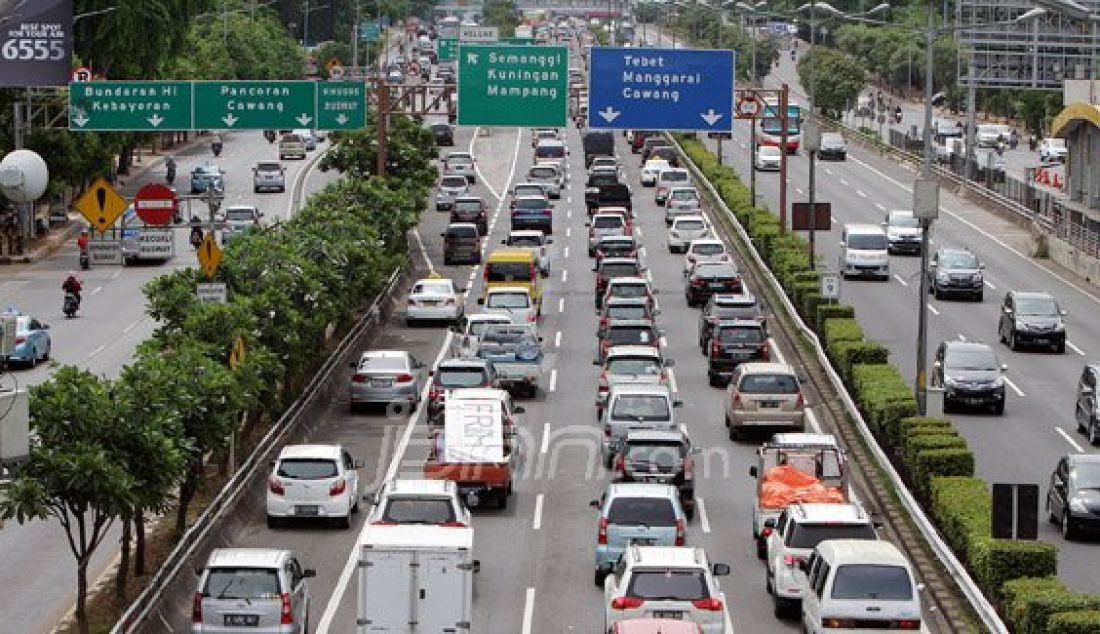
513,86
478,34
369,31
212,292
210,254
830,287
104,251
155,204
447,49
216,105
661,89
101,204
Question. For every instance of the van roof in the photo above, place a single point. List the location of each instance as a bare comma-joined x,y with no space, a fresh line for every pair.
412,536
641,490
247,558
816,513
415,486
310,451
803,439
862,228
511,255
670,556
861,551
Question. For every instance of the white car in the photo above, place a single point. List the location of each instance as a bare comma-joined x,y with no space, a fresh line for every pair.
684,229
533,239
767,158
451,186
902,232
424,502
513,301
240,219
461,163
315,482
705,250
990,134
541,134
1052,150
665,581
667,179
469,331
549,175
309,137
434,299
651,169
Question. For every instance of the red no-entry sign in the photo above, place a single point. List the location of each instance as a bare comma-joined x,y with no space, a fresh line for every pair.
155,204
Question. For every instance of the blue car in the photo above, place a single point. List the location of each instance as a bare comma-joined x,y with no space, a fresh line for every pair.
636,513
32,341
205,175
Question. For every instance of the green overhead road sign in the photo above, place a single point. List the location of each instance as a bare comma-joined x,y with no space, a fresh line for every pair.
448,49
500,85
369,31
217,105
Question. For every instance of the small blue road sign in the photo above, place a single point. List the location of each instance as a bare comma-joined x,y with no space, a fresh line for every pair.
661,89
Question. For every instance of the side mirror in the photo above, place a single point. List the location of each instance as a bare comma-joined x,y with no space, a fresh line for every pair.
594,504
356,464
841,244
442,234
460,289
45,326
720,570
198,571
1008,311
605,569
1004,367
677,403
308,573
981,266
932,265
752,471
519,409
549,241
1086,391
353,364
480,301
431,372
670,363
804,566
476,566
595,361
455,330
769,523
505,241
1062,313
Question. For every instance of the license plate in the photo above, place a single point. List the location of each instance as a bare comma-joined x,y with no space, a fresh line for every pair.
717,285
429,303
769,403
239,620
381,383
306,510
667,614
974,401
643,542
1041,340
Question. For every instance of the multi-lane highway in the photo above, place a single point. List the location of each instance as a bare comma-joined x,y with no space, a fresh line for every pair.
102,339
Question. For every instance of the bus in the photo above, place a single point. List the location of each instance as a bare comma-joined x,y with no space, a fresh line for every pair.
771,126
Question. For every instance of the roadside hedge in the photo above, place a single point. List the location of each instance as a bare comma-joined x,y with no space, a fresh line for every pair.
1083,622
932,456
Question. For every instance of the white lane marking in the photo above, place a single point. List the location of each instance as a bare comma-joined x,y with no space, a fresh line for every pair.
991,287
568,214
131,327
1070,439
639,232
1014,387
97,351
828,171
569,200
773,348
553,379
962,337
564,276
704,521
565,253
95,291
649,276
933,309
880,206
900,280
557,340
114,276
861,193
664,342
811,419
798,190
641,252
561,305
843,182
1071,346
473,276
544,446
423,251
568,232
537,523
528,610
672,381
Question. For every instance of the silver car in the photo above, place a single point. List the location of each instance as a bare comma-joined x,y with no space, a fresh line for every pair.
384,377
267,176
254,590
684,230
451,186
547,174
240,219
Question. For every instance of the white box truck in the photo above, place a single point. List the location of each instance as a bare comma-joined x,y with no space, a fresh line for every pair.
416,579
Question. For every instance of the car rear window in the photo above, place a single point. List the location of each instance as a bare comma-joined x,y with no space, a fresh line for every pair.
383,363
462,232
531,203
442,288
508,336
669,585
658,453
641,407
607,222
634,365
543,172
626,335
690,225
674,176
627,311
242,583
524,241
644,511
508,300
809,535
550,151
268,167
628,290
460,377
709,248
306,468
740,335
872,582
618,269
529,190
684,195
467,205
453,181
768,384
867,241
240,215
509,271
418,510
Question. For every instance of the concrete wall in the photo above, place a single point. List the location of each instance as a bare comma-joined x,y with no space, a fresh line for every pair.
1066,255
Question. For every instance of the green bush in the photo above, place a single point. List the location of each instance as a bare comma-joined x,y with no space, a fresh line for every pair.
915,443
1012,607
809,276
883,394
842,330
961,507
800,290
1083,622
899,429
1032,611
846,354
810,302
927,464
995,561
832,311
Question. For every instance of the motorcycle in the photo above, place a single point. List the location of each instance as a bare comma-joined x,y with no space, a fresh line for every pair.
216,148
70,305
196,237
170,173
85,262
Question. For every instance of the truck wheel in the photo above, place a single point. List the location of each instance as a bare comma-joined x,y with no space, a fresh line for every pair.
344,522
598,579
502,499
761,549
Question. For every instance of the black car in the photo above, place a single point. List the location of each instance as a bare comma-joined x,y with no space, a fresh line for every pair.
731,344
727,306
661,457
443,134
832,147
708,278
955,272
1073,500
455,374
1086,409
970,374
471,209
627,332
462,243
1032,318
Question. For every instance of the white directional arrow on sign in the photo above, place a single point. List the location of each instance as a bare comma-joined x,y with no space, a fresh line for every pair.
711,117
81,119
609,114
303,119
155,120
471,58
229,119
341,118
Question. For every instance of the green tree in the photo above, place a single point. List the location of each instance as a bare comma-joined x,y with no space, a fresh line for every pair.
501,14
243,45
839,78
409,150
72,473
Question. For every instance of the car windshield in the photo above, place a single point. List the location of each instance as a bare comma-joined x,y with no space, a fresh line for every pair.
306,468
509,271
972,360
736,311
670,585
418,510
396,364
543,172
462,231
768,384
525,241
768,151
529,190
477,328
207,170
809,535
434,288
690,225
550,151
903,219
629,290
626,335
458,182
683,195
1036,306
867,241
642,511
508,335
509,300
830,138
460,377
619,269
268,167
531,203
1086,475
641,407
709,248
958,261
739,334
872,582
607,222
242,583
459,160
467,205
618,246
627,311
634,365
659,453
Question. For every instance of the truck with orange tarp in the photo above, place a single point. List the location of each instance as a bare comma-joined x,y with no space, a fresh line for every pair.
794,468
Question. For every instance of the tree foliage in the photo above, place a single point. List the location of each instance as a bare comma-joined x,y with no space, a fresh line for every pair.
244,45
838,77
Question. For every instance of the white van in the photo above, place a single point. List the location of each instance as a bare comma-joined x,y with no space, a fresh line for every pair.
864,252
858,586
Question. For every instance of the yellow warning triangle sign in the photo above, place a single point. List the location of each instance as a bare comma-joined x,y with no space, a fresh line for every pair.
210,255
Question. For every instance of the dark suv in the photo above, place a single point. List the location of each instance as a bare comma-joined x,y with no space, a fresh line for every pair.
732,343
708,278
663,457
1032,318
471,209
727,306
970,374
1087,407
955,272
462,243
1072,499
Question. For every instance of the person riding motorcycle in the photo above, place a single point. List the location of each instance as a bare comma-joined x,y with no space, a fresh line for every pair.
216,144
72,285
169,169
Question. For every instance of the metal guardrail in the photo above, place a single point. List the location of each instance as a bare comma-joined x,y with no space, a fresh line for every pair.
982,607
223,503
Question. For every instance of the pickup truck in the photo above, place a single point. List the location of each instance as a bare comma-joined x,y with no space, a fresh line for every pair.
516,353
797,467
478,448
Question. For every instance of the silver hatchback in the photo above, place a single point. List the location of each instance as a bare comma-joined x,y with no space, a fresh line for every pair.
267,176
254,590
386,376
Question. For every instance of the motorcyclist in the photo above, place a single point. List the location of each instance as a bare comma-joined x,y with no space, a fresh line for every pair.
216,144
72,285
897,114
82,241
170,169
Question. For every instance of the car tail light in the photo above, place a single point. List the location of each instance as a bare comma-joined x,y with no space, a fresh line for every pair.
453,525
906,624
620,465
532,317
680,537
411,302
736,398
338,487
766,531
689,468
485,273
603,320
434,394
697,283
383,523
792,560
764,353
449,302
603,381
711,604
532,271
601,537
403,378
626,603
196,608
359,378
715,349
286,614
20,339
275,485
838,623
799,402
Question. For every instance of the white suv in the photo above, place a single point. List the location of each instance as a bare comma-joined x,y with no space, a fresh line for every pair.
671,582
433,502
799,529
313,482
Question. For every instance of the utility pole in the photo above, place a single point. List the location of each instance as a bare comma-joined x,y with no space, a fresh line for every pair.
784,95
812,135
355,37
383,91
305,25
926,207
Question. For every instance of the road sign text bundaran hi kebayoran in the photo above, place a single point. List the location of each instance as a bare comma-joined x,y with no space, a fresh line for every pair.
152,93
255,91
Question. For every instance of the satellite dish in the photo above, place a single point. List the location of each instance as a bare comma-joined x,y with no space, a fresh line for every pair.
23,176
